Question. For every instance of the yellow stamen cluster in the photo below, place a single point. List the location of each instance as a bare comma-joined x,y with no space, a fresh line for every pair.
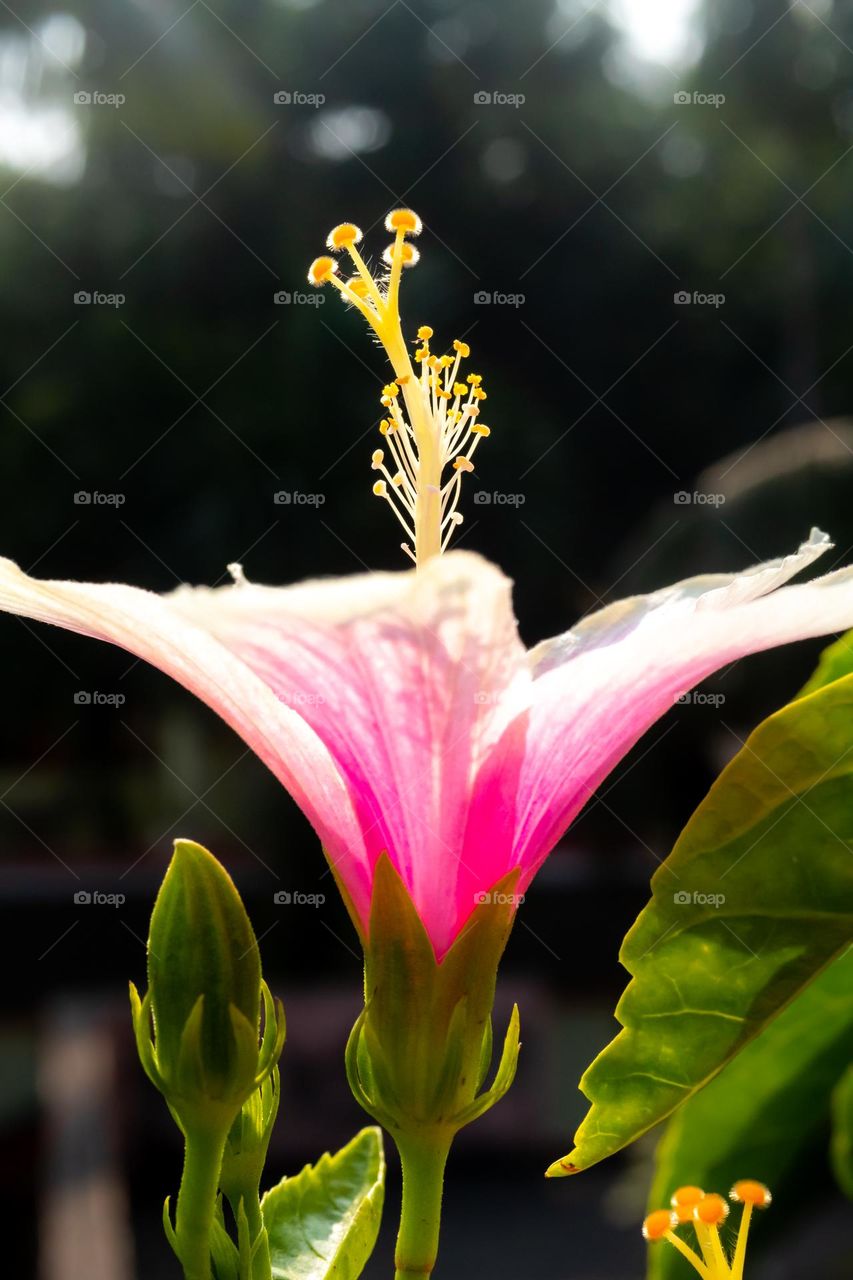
706,1213
431,412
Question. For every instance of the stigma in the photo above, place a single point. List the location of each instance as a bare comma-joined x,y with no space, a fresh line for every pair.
431,424
706,1213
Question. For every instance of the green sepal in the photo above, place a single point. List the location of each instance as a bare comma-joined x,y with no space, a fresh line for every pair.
223,1251
248,1142
169,1229
421,1049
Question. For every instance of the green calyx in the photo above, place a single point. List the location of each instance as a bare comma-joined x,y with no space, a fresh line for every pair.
419,1054
197,1028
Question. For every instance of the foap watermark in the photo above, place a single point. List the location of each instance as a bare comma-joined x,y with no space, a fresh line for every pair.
301,698
686,898
295,898
95,98
85,898
94,698
497,498
686,298
682,498
697,98
94,498
297,98
696,698
296,498
498,98
288,298
498,899
95,298
487,698
489,298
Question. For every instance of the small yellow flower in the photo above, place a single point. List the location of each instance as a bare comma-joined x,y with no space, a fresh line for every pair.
431,427
706,1214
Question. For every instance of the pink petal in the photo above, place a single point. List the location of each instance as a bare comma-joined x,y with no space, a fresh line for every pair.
407,679
150,627
598,688
373,698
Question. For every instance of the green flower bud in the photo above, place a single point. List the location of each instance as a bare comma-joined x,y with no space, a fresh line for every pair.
204,996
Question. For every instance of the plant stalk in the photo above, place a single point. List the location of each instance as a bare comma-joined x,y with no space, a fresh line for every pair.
197,1201
423,1160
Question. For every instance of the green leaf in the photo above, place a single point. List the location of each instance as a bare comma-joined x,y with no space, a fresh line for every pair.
322,1223
835,662
759,1115
842,1132
773,840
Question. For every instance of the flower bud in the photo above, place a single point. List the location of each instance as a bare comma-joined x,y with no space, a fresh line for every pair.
204,995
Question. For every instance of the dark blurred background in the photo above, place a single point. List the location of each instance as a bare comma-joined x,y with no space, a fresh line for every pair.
638,216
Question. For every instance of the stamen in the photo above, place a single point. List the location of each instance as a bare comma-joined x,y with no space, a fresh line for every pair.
707,1213
431,416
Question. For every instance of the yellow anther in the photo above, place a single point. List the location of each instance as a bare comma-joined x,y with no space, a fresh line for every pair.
480,429
475,379
380,489
342,236
321,269
385,426
390,389
404,220
424,333
711,1210
462,464
409,255
401,382
685,1198
446,362
460,389
479,393
433,362
398,479
656,1225
421,354
358,286
377,459
749,1192
462,347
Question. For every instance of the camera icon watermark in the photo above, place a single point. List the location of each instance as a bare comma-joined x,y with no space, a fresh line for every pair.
87,298
682,498
497,498
490,298
686,898
289,298
295,498
697,698
296,98
495,898
83,898
94,498
295,898
686,298
497,98
696,98
95,98
93,698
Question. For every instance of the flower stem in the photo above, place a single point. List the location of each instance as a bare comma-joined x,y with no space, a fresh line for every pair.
423,1160
197,1201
